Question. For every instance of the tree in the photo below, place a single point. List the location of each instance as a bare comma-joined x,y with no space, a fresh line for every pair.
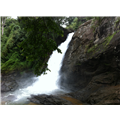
76,22
60,20
11,58
40,41
70,20
3,23
28,42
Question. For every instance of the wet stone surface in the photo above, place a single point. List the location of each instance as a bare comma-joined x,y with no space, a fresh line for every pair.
8,85
49,100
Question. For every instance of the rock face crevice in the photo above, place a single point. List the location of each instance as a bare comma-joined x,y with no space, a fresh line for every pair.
91,65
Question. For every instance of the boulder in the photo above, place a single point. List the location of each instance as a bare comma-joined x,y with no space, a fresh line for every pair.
44,99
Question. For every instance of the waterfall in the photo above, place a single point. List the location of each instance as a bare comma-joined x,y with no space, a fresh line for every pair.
45,84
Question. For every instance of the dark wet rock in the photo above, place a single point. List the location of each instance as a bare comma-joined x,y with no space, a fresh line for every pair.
49,100
0,77
15,79
34,100
4,88
11,98
107,96
13,75
92,60
8,85
2,82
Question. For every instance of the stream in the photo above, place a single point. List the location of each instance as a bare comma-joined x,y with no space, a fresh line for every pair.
44,84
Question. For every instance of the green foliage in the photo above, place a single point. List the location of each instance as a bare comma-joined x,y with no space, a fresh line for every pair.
28,42
40,42
91,49
61,20
109,38
11,58
105,44
117,22
75,22
94,26
89,18
97,18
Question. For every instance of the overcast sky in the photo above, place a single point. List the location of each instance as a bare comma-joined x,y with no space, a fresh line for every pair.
15,17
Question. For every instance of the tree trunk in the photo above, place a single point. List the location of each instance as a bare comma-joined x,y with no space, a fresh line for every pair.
2,26
3,23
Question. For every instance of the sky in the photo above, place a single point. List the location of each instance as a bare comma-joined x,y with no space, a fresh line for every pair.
15,17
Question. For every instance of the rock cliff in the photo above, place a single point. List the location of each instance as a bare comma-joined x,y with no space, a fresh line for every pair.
91,66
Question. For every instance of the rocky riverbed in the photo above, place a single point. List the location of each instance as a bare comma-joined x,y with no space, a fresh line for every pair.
44,99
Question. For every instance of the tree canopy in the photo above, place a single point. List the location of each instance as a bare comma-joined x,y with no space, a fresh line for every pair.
40,41
28,42
11,58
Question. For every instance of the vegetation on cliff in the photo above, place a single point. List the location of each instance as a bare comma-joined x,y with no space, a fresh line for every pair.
76,22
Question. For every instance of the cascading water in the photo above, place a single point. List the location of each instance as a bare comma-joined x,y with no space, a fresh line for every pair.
46,84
